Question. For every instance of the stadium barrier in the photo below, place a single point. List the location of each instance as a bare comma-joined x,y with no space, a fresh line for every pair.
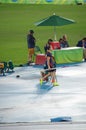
44,1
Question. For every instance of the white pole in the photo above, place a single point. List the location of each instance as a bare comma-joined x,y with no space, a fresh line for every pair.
55,34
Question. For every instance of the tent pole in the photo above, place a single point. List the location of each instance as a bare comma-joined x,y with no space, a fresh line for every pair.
55,34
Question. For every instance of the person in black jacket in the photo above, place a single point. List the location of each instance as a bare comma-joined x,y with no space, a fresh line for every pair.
82,43
31,45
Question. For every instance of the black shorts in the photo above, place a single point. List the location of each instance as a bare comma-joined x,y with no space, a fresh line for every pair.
51,70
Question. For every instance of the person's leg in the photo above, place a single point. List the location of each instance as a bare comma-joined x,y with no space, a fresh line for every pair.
53,76
53,73
42,74
31,53
54,79
46,76
43,78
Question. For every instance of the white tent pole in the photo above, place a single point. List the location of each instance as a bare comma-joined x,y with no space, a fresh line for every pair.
55,33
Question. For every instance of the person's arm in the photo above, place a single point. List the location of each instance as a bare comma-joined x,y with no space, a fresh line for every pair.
48,62
51,47
45,49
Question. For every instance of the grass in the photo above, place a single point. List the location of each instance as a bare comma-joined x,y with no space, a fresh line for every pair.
17,19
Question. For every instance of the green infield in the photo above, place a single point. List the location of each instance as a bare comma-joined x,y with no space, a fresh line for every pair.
17,19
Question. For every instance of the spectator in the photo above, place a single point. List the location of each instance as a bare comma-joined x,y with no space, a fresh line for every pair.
63,42
82,43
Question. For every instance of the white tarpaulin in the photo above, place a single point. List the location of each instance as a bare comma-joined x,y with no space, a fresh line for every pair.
24,100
